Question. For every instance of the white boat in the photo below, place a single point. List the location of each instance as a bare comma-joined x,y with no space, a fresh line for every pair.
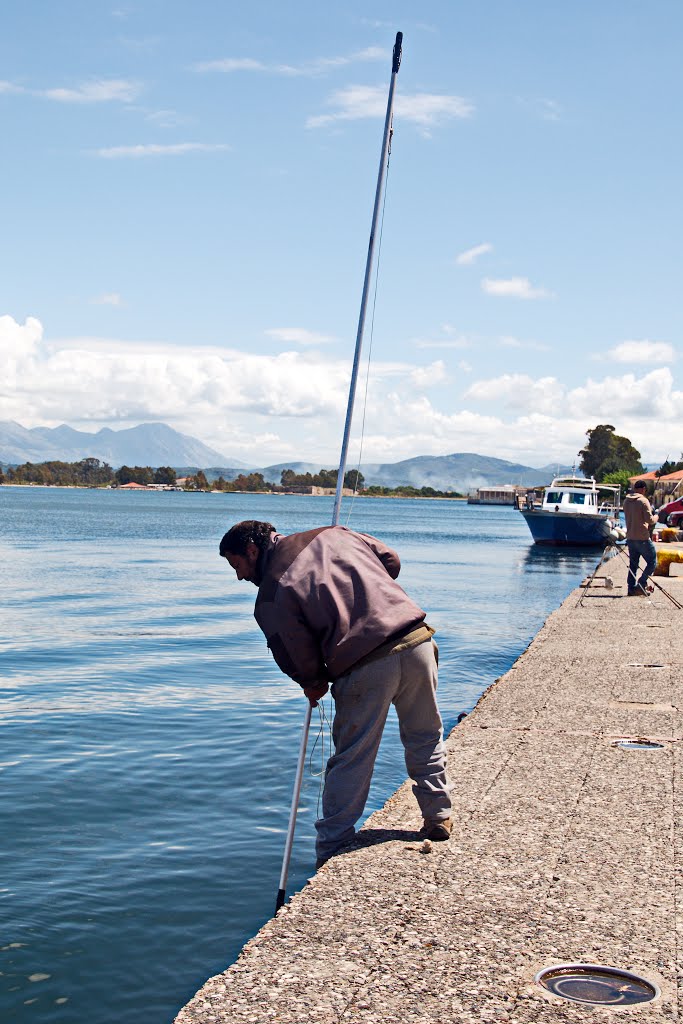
572,512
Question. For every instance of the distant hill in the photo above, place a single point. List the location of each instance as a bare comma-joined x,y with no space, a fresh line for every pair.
156,444
149,444
462,472
458,472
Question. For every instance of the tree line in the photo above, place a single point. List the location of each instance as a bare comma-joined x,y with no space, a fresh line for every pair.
93,473
86,473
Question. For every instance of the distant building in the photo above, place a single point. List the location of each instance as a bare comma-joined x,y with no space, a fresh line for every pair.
647,477
504,494
347,492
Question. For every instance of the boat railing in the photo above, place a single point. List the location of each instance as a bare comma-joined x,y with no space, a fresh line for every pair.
611,505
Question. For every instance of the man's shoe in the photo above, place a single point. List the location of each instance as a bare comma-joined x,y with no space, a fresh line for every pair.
638,592
438,831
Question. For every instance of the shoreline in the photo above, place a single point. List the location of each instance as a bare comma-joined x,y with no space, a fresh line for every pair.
282,494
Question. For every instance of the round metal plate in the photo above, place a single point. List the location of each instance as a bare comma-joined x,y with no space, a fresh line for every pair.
595,985
639,745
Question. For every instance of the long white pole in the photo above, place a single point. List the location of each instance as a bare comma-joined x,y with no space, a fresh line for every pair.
395,64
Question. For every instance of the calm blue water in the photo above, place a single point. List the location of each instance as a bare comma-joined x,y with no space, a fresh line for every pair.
148,742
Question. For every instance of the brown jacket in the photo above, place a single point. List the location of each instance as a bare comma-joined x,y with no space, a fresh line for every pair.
327,599
638,516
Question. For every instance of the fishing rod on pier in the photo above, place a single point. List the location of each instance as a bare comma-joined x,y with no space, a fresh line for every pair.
656,586
386,138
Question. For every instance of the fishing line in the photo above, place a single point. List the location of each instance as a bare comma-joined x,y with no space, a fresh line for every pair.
372,326
324,720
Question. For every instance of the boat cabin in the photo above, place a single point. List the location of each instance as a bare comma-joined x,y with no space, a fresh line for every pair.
576,495
567,500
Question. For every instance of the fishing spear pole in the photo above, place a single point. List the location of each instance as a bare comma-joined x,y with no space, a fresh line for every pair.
395,65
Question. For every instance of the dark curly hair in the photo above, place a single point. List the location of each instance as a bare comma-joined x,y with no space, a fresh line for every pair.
251,531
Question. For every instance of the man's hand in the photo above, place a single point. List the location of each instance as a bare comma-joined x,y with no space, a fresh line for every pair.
316,693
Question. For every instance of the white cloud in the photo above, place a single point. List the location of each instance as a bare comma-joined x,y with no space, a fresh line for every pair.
19,342
519,391
363,101
268,408
9,87
446,343
507,341
316,66
299,336
652,398
99,91
108,299
166,118
157,149
470,255
513,287
642,352
431,108
229,64
424,377
454,339
98,381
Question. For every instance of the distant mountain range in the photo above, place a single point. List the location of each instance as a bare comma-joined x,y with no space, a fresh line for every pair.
156,444
149,444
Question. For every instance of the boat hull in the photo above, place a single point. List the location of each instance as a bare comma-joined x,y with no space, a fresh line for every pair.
567,530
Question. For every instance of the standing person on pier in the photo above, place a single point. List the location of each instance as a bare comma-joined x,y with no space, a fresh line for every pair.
639,523
332,612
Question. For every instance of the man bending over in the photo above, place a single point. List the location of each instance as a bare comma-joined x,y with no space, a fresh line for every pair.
332,613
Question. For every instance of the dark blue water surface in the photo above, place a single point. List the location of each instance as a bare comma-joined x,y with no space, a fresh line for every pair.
148,742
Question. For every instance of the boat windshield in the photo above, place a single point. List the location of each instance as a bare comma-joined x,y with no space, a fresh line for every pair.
577,499
553,497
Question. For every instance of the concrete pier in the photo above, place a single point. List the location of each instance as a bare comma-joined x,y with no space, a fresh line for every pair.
566,848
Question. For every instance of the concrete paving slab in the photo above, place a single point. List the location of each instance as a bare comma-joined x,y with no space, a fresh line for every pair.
566,848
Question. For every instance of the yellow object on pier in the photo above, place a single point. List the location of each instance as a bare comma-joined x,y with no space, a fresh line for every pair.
665,556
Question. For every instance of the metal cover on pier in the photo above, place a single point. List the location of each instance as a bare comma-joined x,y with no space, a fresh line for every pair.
639,745
594,985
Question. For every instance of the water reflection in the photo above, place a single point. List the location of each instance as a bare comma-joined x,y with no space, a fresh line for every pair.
548,559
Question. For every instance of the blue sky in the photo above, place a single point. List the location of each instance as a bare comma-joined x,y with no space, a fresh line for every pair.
186,205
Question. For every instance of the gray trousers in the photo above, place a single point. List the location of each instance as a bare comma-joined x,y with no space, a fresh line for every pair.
408,680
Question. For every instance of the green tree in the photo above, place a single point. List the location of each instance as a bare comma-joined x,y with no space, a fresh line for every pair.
251,482
165,475
354,479
134,475
670,467
326,478
607,452
91,473
619,479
